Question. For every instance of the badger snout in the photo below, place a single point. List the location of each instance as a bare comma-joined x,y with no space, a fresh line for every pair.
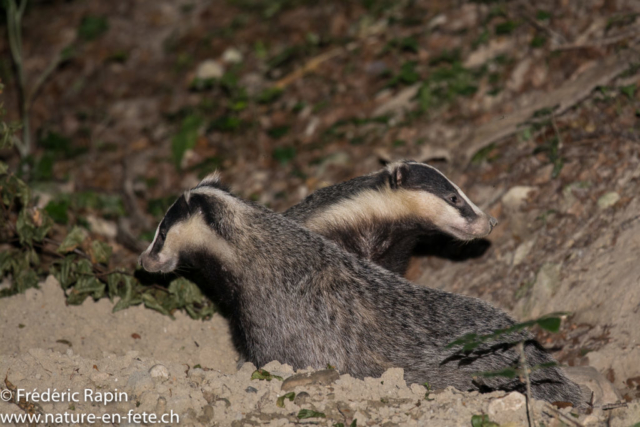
157,263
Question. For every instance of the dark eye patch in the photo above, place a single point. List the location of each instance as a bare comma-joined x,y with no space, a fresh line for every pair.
179,211
425,178
421,177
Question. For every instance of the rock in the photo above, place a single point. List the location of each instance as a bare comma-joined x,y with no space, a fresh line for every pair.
312,126
161,405
140,381
592,381
522,223
324,377
516,196
102,226
159,371
376,68
209,69
393,377
99,378
232,56
511,402
399,103
196,374
251,390
545,287
302,398
608,200
437,21
517,79
207,414
487,52
253,82
523,250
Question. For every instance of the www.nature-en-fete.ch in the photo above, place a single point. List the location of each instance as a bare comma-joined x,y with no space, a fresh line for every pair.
78,418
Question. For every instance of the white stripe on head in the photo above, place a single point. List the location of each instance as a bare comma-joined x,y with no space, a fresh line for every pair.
476,209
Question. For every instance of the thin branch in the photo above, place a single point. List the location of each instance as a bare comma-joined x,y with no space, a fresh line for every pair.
53,65
601,42
551,411
526,11
14,32
525,373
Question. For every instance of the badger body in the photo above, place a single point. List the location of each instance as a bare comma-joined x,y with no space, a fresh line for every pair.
382,216
292,295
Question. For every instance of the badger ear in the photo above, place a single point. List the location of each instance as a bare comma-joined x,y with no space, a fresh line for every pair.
213,179
399,173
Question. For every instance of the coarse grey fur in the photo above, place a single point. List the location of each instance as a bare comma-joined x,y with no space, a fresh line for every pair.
293,296
387,233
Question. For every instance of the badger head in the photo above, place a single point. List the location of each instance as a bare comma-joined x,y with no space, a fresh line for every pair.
432,198
196,223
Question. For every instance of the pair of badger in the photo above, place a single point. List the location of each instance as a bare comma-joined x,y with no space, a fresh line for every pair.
319,285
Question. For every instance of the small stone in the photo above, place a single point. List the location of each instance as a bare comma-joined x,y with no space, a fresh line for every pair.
376,68
209,69
394,377
99,378
545,287
196,374
302,398
159,371
232,56
324,377
140,381
518,75
511,402
608,200
207,414
437,21
103,227
516,196
251,390
593,382
522,251
161,405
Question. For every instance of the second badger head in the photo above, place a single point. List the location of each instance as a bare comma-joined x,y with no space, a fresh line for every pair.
435,201
381,216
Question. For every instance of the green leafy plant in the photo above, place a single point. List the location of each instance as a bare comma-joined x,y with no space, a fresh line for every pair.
263,374
482,421
78,262
186,138
14,11
280,402
469,342
310,413
92,27
284,155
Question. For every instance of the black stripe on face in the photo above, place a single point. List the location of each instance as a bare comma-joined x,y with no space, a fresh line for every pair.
416,176
179,211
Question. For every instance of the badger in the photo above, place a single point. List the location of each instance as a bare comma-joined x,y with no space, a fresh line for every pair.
382,216
294,296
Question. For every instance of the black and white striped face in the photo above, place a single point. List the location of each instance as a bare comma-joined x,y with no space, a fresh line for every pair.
440,200
413,194
191,224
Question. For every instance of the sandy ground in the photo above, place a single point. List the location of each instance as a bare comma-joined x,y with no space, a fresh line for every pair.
187,368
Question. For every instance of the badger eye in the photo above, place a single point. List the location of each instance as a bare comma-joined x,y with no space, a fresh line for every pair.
453,199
